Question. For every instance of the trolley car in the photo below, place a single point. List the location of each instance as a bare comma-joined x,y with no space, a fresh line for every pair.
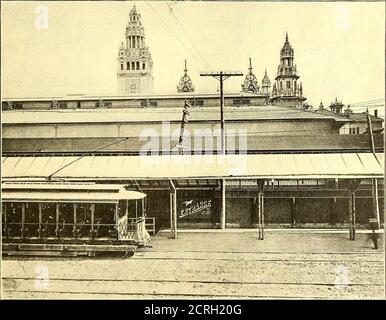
71,219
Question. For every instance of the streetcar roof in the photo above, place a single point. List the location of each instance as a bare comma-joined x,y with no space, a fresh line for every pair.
67,192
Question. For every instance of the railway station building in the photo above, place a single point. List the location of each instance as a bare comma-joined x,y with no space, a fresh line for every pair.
285,164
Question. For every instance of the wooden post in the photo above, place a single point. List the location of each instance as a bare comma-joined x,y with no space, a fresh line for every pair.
353,214
175,214
57,220
74,227
22,219
259,213
5,219
223,204
350,216
333,211
293,213
40,220
262,216
171,215
374,190
92,210
374,184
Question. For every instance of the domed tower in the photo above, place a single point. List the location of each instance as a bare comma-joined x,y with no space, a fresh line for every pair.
265,84
288,92
250,83
185,84
336,106
135,65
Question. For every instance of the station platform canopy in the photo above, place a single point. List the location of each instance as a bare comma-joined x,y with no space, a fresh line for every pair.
248,166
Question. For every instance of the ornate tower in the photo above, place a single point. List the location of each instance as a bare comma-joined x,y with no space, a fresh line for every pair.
185,84
286,91
336,106
135,66
250,83
265,84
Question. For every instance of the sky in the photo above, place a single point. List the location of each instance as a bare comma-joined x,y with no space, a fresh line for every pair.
339,47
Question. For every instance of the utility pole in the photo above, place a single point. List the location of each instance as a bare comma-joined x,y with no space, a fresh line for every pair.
374,184
222,76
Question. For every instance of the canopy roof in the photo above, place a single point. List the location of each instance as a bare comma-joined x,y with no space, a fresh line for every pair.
262,166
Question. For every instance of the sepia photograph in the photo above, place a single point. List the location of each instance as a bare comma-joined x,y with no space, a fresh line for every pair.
185,150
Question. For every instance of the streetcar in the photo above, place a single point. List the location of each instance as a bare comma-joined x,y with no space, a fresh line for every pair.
57,218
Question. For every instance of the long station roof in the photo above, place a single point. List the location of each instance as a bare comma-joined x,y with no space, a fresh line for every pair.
261,166
138,115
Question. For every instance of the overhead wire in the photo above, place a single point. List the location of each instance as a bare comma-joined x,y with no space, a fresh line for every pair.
187,36
178,39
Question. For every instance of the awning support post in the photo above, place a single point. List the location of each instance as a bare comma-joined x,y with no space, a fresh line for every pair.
293,213
353,185
173,207
374,190
40,220
333,211
22,219
353,219
171,213
261,210
223,204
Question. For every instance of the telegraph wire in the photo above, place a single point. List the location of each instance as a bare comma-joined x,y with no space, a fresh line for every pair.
186,35
179,40
49,177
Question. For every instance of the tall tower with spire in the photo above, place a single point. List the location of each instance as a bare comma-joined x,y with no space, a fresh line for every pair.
185,84
286,89
250,83
265,84
135,65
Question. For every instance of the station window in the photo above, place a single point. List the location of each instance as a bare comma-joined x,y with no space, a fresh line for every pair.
357,130
199,102
137,65
236,102
121,66
62,105
128,65
143,66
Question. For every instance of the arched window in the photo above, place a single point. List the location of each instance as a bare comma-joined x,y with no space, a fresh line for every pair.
132,65
137,65
121,66
143,66
128,65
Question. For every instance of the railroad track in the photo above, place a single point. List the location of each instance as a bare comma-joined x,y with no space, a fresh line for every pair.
175,274
128,288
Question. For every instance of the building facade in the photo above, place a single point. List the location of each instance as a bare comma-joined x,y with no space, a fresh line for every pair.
135,65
